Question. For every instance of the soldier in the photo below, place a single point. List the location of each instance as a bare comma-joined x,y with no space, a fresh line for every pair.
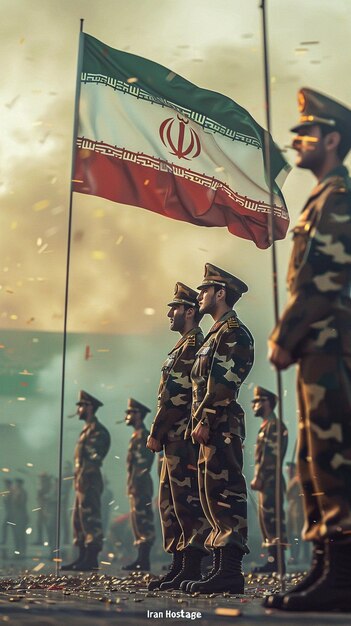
8,513
184,526
315,331
66,497
221,365
44,506
91,449
139,485
20,516
264,480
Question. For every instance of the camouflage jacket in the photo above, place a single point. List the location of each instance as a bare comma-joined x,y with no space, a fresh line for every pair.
317,317
92,447
266,450
139,463
174,394
221,365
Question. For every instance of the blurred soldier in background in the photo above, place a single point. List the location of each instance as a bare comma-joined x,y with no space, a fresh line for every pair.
184,525
66,495
44,508
106,504
7,501
315,331
20,516
91,449
221,365
264,480
139,485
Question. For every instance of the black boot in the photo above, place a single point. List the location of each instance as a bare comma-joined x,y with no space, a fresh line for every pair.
90,561
275,601
331,592
272,562
73,566
229,576
174,569
216,558
142,562
191,568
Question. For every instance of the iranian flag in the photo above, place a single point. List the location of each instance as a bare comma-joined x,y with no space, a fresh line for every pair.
149,138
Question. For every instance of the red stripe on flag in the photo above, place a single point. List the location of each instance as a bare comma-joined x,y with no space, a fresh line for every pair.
172,196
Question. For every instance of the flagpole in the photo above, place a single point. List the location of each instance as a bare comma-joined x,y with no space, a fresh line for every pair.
68,259
279,481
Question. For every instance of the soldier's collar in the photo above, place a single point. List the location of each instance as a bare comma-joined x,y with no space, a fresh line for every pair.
183,339
226,316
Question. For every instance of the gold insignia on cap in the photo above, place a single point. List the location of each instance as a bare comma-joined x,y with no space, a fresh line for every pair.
301,101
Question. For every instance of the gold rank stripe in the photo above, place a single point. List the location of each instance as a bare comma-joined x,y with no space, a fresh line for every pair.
233,323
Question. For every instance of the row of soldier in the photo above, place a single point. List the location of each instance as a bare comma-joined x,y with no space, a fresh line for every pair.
199,423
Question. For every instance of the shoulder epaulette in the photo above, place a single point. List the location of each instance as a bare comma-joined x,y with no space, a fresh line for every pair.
233,322
192,340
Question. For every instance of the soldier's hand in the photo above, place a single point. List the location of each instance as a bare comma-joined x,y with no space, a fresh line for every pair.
278,356
201,433
153,444
256,484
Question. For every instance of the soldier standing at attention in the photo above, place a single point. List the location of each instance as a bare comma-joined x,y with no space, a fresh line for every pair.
91,449
264,480
139,485
221,365
184,525
315,331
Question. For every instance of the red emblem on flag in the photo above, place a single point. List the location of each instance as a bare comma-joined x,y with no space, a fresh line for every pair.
181,140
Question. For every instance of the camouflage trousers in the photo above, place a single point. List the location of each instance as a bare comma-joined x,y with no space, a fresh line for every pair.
142,517
182,519
87,529
223,492
324,445
267,515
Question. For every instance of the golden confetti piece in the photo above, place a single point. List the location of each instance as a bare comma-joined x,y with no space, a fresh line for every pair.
227,506
191,467
29,465
98,255
41,205
119,240
13,316
132,79
38,509
5,470
26,373
219,169
9,291
318,493
149,311
20,399
42,249
227,612
146,182
56,560
105,562
170,76
38,567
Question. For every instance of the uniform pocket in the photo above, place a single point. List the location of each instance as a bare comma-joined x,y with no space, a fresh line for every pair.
301,239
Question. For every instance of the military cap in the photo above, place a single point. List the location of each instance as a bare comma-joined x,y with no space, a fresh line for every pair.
135,405
317,108
262,393
184,295
215,276
84,397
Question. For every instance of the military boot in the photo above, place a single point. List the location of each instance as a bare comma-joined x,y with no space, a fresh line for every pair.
174,569
74,566
187,584
331,592
272,562
142,562
191,569
275,601
90,561
228,577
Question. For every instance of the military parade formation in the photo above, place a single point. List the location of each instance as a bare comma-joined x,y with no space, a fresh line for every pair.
199,424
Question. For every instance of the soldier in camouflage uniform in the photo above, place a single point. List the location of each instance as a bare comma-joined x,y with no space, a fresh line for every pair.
221,365
139,485
264,480
91,449
315,331
184,525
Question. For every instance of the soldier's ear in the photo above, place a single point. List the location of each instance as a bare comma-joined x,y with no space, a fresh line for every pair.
332,140
220,294
189,312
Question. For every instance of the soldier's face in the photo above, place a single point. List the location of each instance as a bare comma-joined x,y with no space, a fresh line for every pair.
132,416
207,299
261,407
310,148
176,315
84,410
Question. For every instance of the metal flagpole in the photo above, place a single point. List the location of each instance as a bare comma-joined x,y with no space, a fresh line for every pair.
279,481
68,258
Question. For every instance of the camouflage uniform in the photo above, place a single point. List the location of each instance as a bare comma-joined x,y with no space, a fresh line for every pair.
316,328
92,447
221,365
140,487
182,518
265,472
